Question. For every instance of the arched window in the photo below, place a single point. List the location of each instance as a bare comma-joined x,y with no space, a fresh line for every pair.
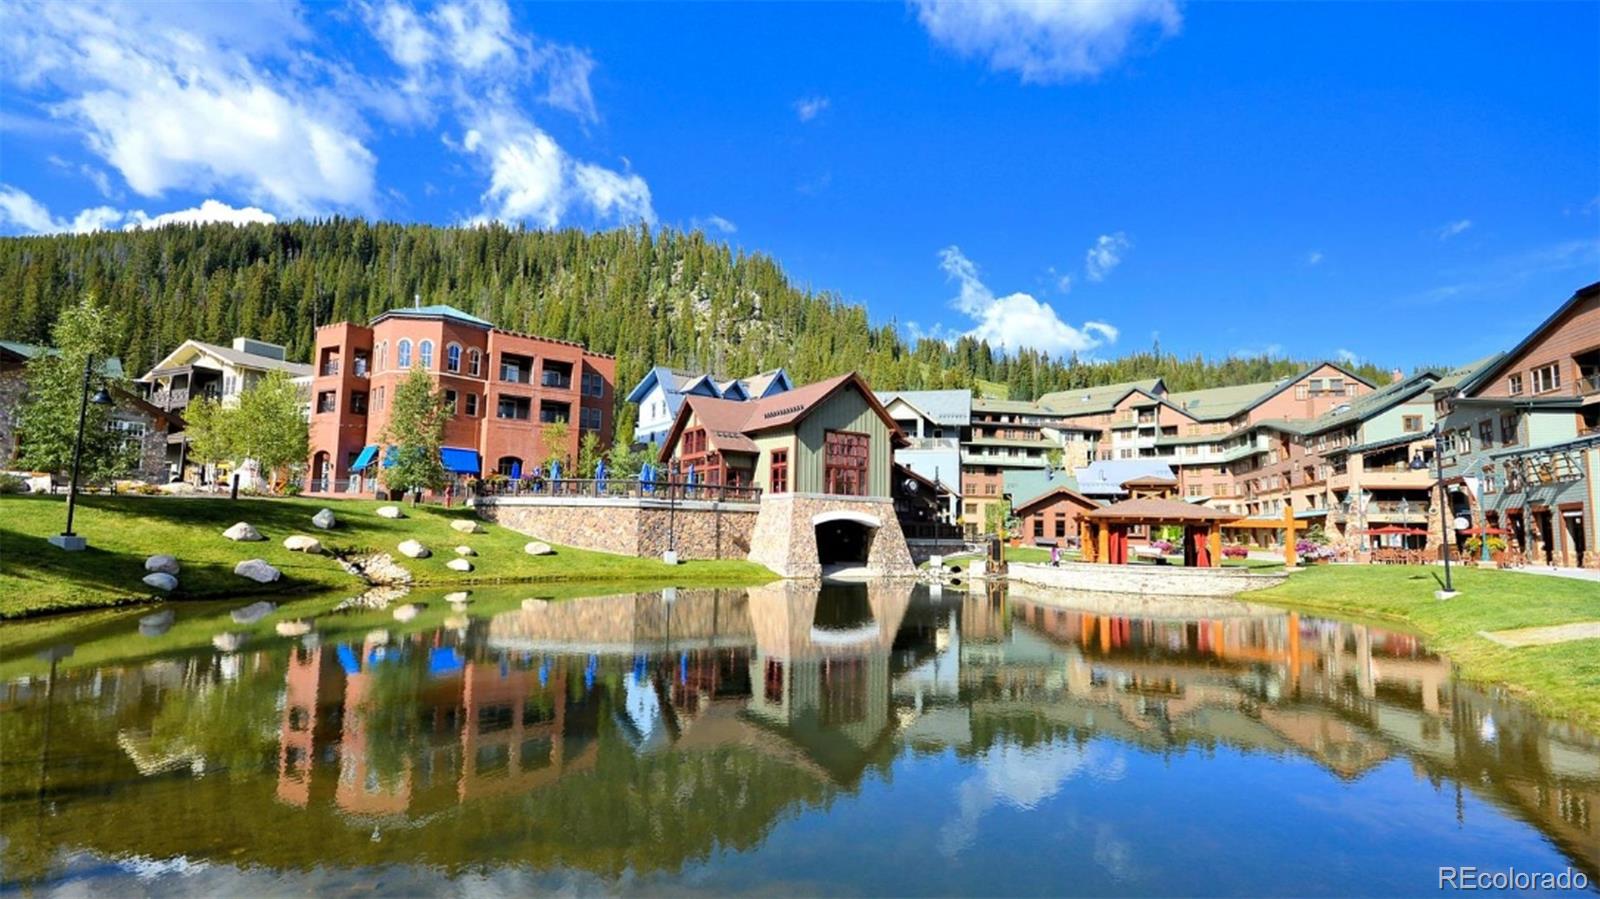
425,350
474,362
383,355
452,357
402,355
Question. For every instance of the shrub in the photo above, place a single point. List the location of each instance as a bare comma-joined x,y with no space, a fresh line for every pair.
1234,552
10,483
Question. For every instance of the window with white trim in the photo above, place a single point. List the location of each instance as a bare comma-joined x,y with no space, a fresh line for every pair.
402,354
452,357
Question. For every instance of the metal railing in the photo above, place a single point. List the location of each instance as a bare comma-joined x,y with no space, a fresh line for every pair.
928,531
555,380
619,488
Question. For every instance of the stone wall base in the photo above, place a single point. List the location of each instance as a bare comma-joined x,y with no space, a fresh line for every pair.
643,528
785,536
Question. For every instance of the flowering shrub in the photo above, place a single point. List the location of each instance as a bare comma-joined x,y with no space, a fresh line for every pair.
1234,552
1496,544
1164,547
1314,552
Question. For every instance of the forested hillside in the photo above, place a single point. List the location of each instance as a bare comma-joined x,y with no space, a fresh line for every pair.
661,297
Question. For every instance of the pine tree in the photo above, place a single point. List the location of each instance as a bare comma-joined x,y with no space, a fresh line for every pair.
47,423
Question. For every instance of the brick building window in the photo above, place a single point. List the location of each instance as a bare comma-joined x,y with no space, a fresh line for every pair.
517,408
845,461
472,405
589,419
358,402
778,482
451,401
403,354
425,354
1038,527
593,384
325,401
452,357
1061,525
474,362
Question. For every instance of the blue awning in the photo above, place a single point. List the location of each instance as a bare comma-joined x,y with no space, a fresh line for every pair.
460,461
365,459
391,456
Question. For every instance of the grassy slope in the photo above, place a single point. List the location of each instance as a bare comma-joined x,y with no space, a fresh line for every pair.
1563,680
36,577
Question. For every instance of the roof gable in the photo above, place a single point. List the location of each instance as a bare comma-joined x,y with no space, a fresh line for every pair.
736,420
449,313
1058,491
1486,375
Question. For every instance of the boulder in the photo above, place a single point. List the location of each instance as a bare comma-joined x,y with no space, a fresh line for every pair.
534,605
253,612
161,581
459,597
390,512
257,570
163,564
458,565
411,549
297,628
243,531
324,519
466,551
407,612
467,526
178,488
300,543
538,549
228,642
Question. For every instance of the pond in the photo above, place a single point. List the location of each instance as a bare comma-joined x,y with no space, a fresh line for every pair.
853,739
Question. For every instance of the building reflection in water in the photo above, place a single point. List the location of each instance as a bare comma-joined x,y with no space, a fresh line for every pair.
799,692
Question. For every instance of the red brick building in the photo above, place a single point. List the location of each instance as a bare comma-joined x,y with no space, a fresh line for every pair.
502,388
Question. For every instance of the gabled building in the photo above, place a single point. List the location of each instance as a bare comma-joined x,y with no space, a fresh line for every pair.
501,389
933,422
659,395
197,370
1522,438
822,456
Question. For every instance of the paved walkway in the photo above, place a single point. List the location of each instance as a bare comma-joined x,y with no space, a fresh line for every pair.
1577,574
1544,636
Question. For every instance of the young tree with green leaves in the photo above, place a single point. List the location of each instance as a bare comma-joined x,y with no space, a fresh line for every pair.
589,454
269,426
625,463
209,432
47,423
416,432
553,436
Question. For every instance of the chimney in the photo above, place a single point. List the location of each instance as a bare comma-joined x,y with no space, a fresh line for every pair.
1396,376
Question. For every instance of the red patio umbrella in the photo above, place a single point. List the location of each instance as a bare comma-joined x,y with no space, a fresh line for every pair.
1396,529
1492,532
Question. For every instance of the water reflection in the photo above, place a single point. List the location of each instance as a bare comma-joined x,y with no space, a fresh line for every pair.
642,738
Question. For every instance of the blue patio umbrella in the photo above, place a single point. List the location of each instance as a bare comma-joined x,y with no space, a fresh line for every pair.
555,470
647,477
600,475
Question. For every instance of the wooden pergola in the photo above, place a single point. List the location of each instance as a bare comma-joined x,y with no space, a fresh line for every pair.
1105,531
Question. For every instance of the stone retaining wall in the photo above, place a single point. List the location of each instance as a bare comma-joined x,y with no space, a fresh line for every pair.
634,527
1149,580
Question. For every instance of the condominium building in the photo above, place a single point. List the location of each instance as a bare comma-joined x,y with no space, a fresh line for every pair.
933,422
659,395
1522,438
501,389
1008,435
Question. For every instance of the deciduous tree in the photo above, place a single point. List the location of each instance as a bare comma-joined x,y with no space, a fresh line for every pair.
47,423
414,435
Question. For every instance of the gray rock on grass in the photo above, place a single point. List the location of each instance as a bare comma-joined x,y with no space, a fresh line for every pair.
324,519
412,549
162,581
537,548
390,512
458,565
243,531
257,570
162,563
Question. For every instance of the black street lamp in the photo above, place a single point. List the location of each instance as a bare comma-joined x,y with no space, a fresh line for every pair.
67,540
1417,464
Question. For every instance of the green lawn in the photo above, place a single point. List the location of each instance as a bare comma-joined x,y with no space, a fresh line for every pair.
1562,680
37,578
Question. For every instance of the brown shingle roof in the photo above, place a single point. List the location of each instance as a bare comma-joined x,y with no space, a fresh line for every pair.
730,423
1160,511
1150,480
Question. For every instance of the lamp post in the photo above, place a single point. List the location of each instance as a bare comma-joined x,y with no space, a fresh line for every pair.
1417,464
68,540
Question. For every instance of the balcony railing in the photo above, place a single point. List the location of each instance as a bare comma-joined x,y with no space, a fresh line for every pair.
619,488
329,369
1589,384
555,380
934,443
921,530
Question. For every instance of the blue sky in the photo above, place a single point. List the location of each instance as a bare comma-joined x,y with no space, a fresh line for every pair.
1402,183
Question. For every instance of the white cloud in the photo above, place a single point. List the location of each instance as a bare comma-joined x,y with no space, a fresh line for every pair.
1105,255
1062,281
1047,41
1271,351
1023,778
808,108
21,211
468,59
1314,257
1016,320
207,212
714,223
1451,229
1347,357
187,98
